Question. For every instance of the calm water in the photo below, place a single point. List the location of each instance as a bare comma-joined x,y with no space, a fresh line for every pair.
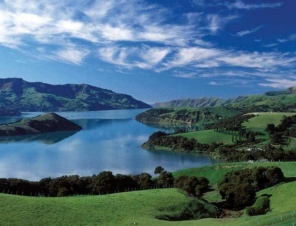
110,140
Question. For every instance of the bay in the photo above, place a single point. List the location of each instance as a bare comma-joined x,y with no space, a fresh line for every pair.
109,140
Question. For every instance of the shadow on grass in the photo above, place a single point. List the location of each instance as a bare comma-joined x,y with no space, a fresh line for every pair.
289,179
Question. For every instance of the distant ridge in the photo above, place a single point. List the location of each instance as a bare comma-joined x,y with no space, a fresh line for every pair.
18,94
195,103
284,100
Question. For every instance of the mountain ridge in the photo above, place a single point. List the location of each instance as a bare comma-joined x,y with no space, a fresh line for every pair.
284,100
18,94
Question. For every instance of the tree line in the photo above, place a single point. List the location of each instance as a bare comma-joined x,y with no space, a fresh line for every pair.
103,183
175,142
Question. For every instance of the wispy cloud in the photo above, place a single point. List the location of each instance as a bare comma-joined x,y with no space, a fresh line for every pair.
216,22
241,5
279,83
247,32
72,55
70,31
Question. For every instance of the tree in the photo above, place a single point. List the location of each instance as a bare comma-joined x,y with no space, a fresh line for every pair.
270,128
104,182
194,186
165,179
158,170
144,180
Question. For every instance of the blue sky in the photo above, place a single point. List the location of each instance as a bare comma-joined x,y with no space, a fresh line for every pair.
154,50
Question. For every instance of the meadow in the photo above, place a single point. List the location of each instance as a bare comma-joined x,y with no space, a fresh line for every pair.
142,207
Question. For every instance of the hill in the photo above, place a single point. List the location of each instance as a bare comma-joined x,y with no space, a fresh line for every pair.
188,116
18,94
46,123
143,207
270,101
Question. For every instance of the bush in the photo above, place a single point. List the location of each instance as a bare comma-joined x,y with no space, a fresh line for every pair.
195,209
261,206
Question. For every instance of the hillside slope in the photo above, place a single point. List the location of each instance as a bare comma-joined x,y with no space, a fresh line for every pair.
270,101
188,116
45,123
15,93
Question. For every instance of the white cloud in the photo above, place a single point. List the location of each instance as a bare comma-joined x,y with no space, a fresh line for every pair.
203,43
71,55
241,5
186,56
154,55
69,31
257,60
216,22
184,75
246,32
279,83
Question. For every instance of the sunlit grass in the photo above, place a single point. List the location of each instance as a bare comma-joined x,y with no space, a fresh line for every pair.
142,207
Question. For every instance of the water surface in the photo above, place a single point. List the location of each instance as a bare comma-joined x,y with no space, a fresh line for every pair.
110,140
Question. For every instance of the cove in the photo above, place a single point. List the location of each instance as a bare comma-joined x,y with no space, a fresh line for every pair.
109,140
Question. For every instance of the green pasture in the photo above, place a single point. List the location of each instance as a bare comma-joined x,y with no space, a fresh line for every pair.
263,118
142,207
209,136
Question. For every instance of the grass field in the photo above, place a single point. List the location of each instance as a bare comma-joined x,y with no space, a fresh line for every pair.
141,207
209,136
264,118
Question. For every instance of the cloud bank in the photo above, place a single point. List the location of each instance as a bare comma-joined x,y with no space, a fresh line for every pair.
135,35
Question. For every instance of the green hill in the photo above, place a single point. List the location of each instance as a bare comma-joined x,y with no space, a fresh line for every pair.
188,116
142,207
49,122
15,93
270,101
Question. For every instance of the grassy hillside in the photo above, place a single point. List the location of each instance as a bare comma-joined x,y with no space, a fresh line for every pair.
209,136
264,118
269,101
185,115
141,207
256,123
16,93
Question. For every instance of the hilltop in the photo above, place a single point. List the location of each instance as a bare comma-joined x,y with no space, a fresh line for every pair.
18,94
45,123
270,101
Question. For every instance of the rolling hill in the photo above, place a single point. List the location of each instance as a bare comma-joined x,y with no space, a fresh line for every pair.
18,94
270,101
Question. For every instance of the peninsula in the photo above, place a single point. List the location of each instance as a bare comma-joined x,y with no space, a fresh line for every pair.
46,123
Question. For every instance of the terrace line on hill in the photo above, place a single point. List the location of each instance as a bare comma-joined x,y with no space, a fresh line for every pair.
46,123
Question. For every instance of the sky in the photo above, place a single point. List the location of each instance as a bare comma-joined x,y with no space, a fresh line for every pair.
154,50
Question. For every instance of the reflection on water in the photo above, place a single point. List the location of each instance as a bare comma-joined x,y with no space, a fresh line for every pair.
109,140
46,138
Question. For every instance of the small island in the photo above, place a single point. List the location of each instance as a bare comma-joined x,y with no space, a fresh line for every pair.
46,123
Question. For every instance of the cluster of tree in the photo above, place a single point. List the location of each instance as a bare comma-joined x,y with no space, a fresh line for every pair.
233,123
269,152
239,188
194,186
286,128
174,142
102,183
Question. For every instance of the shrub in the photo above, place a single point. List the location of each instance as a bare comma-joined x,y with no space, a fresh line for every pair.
261,206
